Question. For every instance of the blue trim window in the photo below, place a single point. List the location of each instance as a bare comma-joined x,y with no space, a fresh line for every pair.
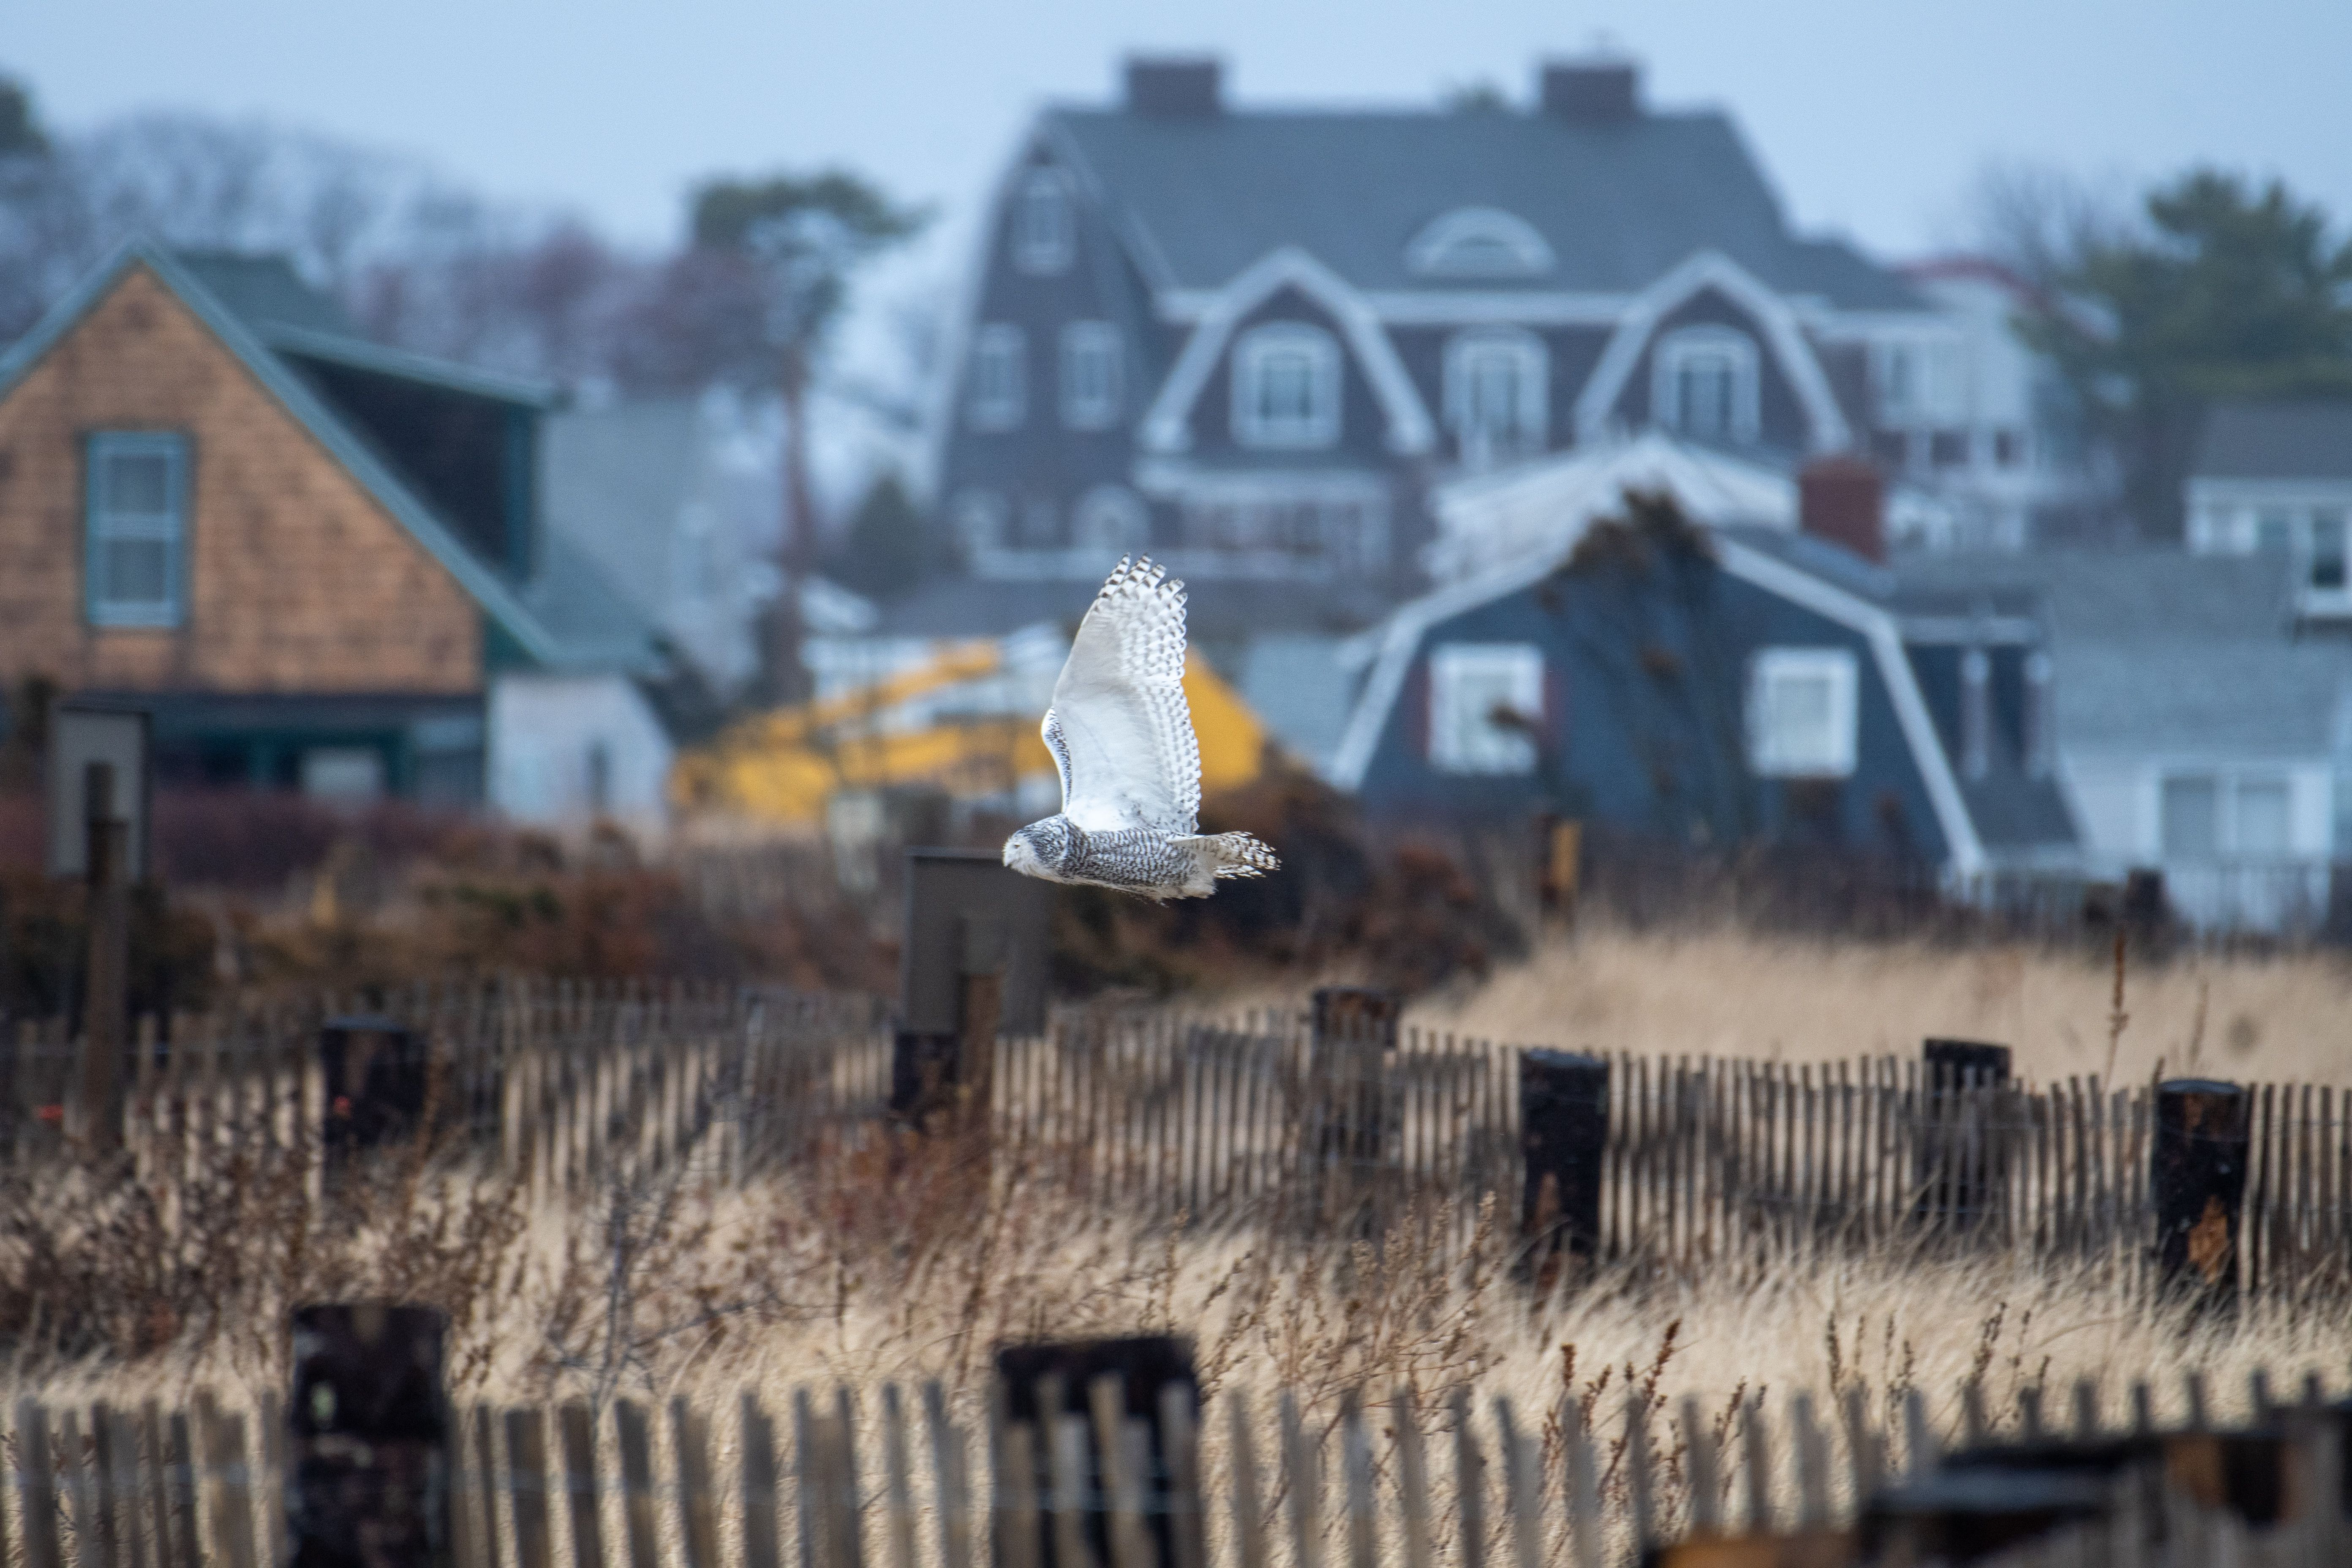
137,529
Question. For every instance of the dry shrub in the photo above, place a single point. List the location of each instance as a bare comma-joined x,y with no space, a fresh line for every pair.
101,1261
45,945
1406,907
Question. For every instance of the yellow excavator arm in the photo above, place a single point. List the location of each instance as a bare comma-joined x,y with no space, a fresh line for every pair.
781,766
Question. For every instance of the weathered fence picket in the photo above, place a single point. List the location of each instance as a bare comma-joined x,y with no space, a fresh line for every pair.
571,1087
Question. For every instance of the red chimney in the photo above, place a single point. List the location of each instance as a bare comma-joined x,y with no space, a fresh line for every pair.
1843,499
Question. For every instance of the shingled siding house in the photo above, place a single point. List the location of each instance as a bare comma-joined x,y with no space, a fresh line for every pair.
1250,341
1712,686
319,562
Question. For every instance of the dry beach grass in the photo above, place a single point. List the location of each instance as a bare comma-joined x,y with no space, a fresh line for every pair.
1729,992
875,1266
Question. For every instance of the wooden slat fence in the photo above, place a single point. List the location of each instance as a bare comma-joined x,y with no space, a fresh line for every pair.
852,1478
1707,1158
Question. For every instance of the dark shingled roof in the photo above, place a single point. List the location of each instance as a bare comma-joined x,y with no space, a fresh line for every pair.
1200,198
264,292
2156,650
1216,608
2276,441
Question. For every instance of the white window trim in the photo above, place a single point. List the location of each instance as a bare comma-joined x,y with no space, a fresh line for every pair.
1007,409
1530,363
1321,428
1438,250
1940,399
1768,753
1048,254
1092,413
2230,785
1491,749
169,528
1707,339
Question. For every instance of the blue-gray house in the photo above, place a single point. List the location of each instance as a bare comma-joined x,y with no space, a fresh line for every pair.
1715,687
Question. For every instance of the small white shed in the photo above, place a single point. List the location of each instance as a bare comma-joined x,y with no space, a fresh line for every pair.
568,749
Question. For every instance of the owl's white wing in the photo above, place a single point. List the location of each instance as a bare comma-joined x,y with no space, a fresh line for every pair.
1120,729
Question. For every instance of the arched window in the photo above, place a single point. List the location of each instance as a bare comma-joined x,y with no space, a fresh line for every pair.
1044,233
1497,396
1000,378
1287,386
1703,384
1111,517
1479,242
1090,376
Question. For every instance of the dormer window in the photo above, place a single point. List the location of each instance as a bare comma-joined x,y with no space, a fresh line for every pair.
1090,376
1044,232
1703,384
1495,395
1479,242
1287,386
1000,378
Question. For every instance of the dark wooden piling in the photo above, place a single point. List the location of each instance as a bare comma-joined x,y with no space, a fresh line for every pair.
2203,1133
369,1439
1564,1131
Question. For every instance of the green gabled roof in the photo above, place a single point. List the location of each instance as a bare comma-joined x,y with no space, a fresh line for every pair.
499,601
338,347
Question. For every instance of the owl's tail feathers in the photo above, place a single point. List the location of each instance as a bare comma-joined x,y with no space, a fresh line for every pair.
1235,854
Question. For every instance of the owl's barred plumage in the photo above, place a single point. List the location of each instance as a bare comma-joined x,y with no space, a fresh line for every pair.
1121,735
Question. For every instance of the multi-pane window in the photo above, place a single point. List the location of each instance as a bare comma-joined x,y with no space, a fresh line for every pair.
2191,817
2264,823
1045,235
1803,712
1918,381
1703,384
2207,816
1000,378
1090,376
1287,386
137,521
1495,395
1485,705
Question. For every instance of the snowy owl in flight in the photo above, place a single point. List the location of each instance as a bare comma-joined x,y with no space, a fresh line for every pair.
1122,735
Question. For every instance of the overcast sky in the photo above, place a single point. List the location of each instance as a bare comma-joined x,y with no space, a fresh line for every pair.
1870,115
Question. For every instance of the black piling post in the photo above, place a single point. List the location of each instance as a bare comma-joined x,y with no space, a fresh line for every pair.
1047,1380
1564,1129
1962,1154
377,1084
1355,1028
2204,1130
368,1471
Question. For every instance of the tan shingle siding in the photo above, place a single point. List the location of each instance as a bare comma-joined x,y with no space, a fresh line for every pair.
298,580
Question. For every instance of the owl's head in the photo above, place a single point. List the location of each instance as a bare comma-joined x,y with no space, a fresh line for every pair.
1041,848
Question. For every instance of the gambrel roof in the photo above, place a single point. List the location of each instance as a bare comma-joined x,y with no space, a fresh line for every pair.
1199,198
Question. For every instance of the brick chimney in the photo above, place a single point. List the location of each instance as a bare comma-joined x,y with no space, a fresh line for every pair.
1175,87
1842,498
1595,89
